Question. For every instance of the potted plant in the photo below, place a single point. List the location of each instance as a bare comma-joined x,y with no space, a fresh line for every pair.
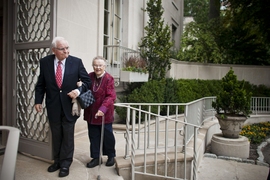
232,105
134,70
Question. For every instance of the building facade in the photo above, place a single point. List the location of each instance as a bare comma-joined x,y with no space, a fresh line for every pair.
93,27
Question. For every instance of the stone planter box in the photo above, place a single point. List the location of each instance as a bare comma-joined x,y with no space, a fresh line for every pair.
128,76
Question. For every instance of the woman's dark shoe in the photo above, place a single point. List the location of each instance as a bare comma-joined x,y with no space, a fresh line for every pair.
110,162
53,167
64,171
93,163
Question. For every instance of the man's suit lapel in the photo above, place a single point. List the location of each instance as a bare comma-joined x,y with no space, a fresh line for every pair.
51,69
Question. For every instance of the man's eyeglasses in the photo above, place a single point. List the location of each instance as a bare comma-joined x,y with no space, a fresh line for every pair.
98,66
62,49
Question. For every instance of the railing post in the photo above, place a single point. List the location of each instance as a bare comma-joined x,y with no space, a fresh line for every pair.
133,146
195,154
127,133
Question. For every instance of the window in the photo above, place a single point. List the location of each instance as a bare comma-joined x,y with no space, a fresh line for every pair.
112,22
112,30
174,28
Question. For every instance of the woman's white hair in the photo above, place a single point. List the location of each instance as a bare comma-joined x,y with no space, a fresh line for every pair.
99,58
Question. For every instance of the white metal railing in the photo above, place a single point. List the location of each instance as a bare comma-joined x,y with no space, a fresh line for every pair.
165,128
116,54
260,105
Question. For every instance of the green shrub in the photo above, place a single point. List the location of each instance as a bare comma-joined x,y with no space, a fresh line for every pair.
150,92
170,95
185,91
176,91
233,99
261,91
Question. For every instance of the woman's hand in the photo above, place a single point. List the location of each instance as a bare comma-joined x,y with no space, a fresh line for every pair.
99,113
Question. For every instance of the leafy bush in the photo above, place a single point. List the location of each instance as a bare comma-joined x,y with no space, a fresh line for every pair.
233,98
170,92
186,91
175,91
261,91
150,92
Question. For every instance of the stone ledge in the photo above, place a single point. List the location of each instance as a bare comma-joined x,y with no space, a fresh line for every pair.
241,160
139,159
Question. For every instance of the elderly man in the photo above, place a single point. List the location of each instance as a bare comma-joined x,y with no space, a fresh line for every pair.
59,74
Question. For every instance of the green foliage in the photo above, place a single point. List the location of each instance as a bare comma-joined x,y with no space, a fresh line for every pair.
171,89
123,98
242,41
150,92
256,133
240,35
198,44
233,98
262,91
252,14
185,91
198,9
173,54
178,91
213,86
155,46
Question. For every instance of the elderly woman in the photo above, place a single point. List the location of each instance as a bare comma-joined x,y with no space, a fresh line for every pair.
103,107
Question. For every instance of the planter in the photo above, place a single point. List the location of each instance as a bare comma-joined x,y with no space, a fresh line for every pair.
129,76
231,126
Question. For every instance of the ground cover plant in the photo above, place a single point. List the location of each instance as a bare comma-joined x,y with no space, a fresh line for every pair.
256,133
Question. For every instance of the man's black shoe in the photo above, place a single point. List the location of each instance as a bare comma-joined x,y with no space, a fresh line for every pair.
53,167
110,162
93,163
64,172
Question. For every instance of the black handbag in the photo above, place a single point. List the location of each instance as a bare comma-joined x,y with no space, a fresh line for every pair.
86,99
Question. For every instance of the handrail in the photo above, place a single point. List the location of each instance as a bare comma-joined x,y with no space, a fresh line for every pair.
170,124
170,138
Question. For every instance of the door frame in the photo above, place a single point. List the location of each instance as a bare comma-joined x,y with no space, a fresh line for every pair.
9,112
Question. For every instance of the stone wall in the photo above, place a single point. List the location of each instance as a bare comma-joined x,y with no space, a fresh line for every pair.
191,70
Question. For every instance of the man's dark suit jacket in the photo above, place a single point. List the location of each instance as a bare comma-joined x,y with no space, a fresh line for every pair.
55,97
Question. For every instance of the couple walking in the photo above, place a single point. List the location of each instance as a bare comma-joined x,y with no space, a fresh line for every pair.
57,82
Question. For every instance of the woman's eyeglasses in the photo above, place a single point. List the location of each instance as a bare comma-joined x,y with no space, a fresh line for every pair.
98,66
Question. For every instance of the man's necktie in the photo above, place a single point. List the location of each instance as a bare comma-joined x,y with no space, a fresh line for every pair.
58,74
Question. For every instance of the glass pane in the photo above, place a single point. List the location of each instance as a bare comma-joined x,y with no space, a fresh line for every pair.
117,26
106,23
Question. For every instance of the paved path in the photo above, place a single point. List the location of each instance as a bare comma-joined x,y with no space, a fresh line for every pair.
220,169
29,168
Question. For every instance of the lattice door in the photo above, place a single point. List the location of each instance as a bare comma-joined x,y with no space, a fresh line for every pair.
33,35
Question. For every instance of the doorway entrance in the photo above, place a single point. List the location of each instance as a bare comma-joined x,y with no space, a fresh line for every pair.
27,30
